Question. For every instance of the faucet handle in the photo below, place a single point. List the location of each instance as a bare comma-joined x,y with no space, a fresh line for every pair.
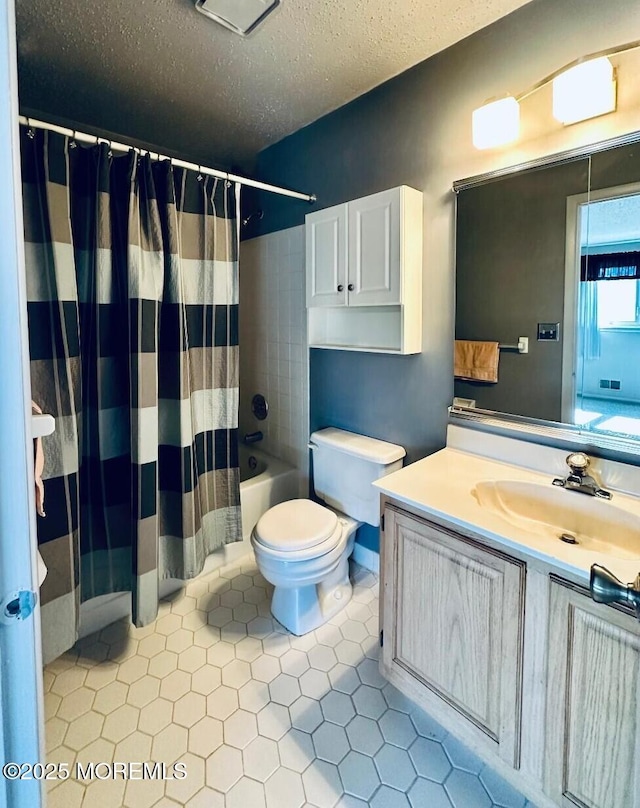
578,462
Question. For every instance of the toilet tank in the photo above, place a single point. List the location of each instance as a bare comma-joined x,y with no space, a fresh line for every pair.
345,465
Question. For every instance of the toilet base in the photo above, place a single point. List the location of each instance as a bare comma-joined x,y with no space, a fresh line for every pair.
305,608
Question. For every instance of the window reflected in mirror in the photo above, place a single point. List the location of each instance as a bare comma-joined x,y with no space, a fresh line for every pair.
607,391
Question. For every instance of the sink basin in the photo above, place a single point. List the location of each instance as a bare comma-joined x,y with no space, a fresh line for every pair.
596,524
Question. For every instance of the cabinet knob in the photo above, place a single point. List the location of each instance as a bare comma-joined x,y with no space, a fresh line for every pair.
350,287
340,287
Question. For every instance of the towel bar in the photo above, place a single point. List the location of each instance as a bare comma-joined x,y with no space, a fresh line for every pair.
521,347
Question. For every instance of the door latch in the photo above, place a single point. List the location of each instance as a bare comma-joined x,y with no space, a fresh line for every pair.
18,605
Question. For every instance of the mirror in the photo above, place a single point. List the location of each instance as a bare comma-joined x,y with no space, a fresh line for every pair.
552,253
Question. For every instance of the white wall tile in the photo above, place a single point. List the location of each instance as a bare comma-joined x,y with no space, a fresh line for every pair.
273,343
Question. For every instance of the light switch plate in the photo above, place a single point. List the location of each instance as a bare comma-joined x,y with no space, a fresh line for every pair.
548,332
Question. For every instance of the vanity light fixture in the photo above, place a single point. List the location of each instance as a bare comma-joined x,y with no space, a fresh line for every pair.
496,123
582,89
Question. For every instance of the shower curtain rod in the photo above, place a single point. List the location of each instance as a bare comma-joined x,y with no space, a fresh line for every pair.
212,172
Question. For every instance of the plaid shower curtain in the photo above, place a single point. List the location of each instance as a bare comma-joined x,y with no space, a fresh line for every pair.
132,283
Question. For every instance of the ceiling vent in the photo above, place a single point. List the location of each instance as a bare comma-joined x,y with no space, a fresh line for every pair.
240,16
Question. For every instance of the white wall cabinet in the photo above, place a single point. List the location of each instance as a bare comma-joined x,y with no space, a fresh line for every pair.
326,247
593,720
375,258
364,273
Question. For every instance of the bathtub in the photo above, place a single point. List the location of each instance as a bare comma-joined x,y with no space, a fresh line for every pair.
264,481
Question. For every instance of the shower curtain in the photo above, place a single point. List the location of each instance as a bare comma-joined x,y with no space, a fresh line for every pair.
132,286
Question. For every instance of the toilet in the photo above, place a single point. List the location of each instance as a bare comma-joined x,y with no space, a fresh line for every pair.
303,548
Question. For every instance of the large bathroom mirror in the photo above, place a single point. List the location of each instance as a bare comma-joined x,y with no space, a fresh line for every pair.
551,253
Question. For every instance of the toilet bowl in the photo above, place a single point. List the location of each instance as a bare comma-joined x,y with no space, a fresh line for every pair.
303,547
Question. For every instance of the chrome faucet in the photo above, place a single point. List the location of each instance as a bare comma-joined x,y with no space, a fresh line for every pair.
579,480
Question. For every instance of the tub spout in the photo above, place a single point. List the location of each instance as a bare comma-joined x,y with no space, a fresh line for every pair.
252,437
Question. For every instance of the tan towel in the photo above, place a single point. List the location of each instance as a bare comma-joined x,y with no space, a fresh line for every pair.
477,361
38,467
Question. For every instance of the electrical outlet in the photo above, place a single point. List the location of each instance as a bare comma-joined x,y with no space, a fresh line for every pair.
615,384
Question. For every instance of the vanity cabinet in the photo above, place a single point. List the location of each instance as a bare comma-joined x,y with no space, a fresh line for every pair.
453,614
593,703
488,623
364,273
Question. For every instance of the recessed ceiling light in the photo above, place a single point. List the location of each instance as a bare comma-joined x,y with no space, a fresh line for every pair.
240,16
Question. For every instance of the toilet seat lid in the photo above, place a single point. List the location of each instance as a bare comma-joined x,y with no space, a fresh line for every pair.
297,524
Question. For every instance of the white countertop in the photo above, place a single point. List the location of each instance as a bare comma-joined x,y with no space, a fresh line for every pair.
441,485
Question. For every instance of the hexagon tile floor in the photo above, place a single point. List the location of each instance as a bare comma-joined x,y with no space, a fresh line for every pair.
260,718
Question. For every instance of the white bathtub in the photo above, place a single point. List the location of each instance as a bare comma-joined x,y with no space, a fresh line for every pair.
264,481
271,481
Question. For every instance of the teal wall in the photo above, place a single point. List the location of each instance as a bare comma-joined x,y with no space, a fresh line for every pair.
415,130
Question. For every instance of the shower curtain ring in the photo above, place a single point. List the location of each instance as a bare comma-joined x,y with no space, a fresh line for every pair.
110,152
73,144
200,177
31,133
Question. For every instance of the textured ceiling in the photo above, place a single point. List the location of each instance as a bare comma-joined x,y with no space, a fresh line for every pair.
612,220
160,72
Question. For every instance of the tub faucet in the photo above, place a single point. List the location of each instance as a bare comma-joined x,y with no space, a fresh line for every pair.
252,437
579,480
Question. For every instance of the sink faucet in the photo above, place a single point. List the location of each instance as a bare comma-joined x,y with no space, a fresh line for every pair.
579,480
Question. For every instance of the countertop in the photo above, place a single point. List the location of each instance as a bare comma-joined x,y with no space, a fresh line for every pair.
442,485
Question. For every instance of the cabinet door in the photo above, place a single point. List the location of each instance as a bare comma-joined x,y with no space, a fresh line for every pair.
326,247
593,727
374,249
453,626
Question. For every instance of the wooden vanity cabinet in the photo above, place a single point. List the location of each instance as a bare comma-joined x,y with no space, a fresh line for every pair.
593,703
562,708
453,615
